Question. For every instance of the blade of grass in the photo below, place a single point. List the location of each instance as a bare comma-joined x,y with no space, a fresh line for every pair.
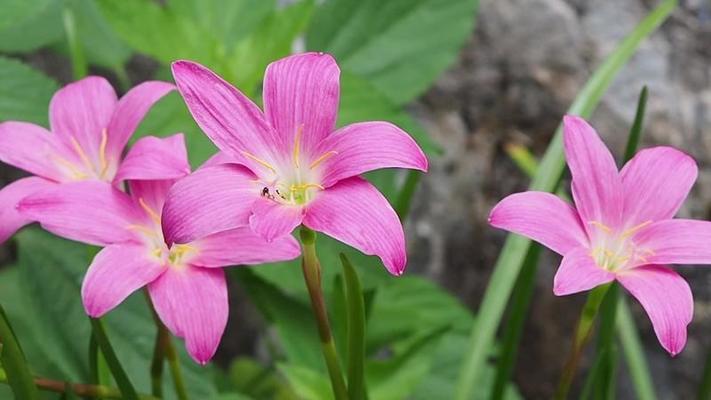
515,249
122,381
16,371
634,353
79,65
404,198
356,331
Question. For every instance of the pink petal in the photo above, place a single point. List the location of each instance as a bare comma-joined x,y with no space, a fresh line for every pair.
656,182
219,158
243,246
90,211
32,148
209,200
151,193
228,117
301,92
192,303
367,146
675,241
272,220
155,158
116,272
667,299
80,111
542,217
578,273
354,212
129,113
10,219
597,187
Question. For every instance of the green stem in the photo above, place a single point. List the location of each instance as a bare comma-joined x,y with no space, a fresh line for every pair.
514,329
312,276
404,198
124,384
80,389
634,353
164,350
582,335
605,382
705,387
79,64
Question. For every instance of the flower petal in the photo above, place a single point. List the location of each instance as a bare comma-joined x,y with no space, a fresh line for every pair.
656,182
354,212
11,220
91,212
578,272
81,111
301,93
209,200
192,303
115,273
272,220
228,117
151,194
667,299
675,241
243,246
129,113
154,158
32,148
367,146
597,187
542,217
219,158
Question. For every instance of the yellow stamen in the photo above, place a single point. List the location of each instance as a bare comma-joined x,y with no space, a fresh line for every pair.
259,160
151,213
601,226
157,252
297,145
325,156
76,173
143,229
178,251
102,153
80,152
632,231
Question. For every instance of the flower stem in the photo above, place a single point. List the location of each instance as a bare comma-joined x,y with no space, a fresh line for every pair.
164,350
583,331
312,276
80,389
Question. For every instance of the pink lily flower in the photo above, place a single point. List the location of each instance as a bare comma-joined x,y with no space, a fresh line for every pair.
90,128
290,165
185,281
621,227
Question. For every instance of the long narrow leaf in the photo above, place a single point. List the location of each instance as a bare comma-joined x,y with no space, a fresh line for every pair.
634,353
356,331
513,254
122,381
14,362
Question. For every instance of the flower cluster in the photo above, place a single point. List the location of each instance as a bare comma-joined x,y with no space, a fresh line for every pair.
172,231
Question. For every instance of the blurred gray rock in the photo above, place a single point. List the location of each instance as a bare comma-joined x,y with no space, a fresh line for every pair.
513,82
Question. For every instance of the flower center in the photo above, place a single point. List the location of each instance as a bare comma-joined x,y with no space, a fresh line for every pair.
297,181
613,250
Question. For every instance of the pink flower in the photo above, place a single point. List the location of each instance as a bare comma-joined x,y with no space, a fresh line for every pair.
90,128
290,167
185,281
621,229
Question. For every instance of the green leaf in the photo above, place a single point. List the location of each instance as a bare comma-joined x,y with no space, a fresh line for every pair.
14,363
307,383
363,101
252,379
51,318
513,253
24,92
400,46
356,330
41,29
637,364
17,11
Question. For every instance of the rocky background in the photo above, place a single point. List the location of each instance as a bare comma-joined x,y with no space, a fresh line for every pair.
514,80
